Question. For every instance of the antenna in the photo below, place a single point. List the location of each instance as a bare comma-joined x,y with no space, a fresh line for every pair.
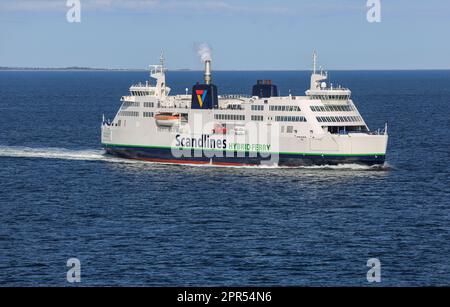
161,58
314,61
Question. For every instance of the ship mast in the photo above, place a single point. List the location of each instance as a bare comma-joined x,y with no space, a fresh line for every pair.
158,72
316,78
314,61
161,60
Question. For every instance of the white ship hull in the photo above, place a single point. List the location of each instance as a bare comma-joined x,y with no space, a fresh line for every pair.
149,141
322,128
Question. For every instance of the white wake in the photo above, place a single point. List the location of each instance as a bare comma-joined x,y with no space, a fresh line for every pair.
55,153
99,155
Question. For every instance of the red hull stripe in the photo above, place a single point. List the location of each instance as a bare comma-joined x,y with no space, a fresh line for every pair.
172,161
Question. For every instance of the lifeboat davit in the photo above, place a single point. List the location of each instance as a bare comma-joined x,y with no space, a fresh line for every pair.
167,119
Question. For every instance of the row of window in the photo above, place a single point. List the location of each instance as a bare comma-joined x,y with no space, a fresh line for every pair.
258,118
127,104
129,113
229,117
330,97
257,107
136,114
338,119
331,108
138,93
285,108
235,107
290,119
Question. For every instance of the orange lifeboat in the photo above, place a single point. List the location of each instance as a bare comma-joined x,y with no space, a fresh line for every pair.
167,119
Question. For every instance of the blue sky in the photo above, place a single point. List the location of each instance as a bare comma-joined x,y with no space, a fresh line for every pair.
245,35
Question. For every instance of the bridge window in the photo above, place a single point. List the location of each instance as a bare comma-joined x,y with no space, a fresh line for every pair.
332,108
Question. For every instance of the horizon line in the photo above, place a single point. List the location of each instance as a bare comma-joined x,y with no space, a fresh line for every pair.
80,68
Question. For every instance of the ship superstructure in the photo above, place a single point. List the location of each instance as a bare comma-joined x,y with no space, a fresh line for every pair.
324,127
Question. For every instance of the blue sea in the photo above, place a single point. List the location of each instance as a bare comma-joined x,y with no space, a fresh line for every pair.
136,223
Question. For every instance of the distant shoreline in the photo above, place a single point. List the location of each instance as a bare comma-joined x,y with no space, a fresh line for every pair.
192,70
65,69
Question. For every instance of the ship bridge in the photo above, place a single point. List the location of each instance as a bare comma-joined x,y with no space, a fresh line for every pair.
334,95
159,90
321,90
141,89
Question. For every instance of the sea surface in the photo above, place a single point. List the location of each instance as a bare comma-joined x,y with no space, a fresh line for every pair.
136,223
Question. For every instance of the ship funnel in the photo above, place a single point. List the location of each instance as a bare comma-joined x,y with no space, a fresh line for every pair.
208,72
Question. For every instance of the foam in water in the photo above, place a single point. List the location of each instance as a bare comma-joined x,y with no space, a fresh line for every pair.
49,153
57,153
99,155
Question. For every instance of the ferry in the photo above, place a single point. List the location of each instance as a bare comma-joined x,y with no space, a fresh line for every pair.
323,127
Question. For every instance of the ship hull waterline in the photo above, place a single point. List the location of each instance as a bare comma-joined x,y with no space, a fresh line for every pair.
165,155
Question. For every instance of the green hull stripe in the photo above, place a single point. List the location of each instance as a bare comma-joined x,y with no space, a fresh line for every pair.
281,153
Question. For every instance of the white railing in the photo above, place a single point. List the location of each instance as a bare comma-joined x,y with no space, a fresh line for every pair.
235,96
